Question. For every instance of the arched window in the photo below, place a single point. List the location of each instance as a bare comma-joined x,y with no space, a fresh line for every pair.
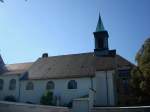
1,84
29,86
12,84
50,85
72,84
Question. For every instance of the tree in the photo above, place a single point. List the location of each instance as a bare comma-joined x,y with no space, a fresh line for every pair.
140,75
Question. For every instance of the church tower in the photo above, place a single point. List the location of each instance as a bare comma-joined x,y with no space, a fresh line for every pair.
101,40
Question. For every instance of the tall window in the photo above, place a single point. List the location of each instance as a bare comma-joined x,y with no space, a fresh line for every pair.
50,85
72,84
29,86
12,84
100,43
125,86
1,84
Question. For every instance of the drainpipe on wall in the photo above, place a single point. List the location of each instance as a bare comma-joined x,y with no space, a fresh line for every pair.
92,87
107,88
116,78
91,82
91,95
19,90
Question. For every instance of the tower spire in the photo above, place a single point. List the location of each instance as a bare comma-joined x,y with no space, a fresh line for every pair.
101,40
100,26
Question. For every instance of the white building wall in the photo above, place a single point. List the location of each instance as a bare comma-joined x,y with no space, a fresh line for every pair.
104,87
101,89
5,91
111,88
61,89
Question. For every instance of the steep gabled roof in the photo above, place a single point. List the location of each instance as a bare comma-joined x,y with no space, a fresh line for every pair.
18,68
2,64
112,62
66,66
74,66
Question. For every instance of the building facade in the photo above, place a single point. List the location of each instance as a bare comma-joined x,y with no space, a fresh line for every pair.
69,77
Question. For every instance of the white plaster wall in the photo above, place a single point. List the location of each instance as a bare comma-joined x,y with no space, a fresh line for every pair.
101,89
104,86
61,89
6,92
111,92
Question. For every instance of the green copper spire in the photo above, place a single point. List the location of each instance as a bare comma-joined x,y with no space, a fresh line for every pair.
100,26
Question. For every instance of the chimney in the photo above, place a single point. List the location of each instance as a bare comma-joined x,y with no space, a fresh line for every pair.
44,55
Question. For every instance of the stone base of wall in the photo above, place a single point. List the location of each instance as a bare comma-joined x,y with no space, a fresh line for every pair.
122,109
21,107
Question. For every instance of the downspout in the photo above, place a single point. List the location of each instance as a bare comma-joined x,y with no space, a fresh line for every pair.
91,95
92,87
91,83
115,80
107,88
19,90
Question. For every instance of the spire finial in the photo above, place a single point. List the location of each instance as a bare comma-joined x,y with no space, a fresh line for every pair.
100,26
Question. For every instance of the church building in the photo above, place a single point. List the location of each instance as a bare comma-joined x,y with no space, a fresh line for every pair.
69,77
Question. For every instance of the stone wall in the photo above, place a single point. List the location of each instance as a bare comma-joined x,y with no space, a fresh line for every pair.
122,109
20,107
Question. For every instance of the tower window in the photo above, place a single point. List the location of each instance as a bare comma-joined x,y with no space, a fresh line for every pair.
100,43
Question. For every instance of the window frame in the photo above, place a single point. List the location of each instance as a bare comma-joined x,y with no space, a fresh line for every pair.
1,84
72,84
29,86
12,84
50,85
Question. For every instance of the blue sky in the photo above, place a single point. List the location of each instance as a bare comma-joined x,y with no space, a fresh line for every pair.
28,29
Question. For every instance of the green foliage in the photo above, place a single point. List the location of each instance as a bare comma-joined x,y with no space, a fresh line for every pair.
140,81
47,98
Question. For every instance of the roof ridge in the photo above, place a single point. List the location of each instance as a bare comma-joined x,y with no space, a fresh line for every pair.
20,63
68,55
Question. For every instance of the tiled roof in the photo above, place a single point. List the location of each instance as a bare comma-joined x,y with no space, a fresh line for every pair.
73,66
112,62
67,66
18,68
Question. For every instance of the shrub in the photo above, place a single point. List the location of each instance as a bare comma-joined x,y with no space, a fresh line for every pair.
47,98
10,98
